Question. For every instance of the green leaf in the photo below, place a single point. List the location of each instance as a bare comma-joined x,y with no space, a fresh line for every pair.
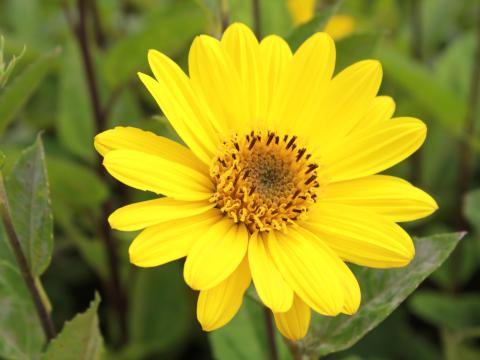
455,313
68,177
446,106
249,326
80,337
161,312
317,23
355,48
2,159
6,69
169,30
75,123
16,94
21,335
29,197
382,292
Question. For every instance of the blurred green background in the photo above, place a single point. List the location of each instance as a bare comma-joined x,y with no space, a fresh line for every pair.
428,52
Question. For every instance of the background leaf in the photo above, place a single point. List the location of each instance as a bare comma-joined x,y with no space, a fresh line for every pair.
80,338
19,90
76,129
21,335
29,197
382,292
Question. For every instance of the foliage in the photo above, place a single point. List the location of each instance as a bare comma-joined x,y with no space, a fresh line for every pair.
56,188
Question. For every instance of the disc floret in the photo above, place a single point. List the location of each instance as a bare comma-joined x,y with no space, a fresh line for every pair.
264,180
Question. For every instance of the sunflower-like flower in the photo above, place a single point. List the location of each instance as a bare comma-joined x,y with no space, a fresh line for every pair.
276,183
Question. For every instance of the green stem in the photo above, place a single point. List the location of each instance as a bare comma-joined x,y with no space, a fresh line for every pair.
257,18
42,312
270,334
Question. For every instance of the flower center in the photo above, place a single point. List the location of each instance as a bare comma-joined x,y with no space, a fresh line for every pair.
264,180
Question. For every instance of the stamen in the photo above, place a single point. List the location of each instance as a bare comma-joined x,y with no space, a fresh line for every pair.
262,183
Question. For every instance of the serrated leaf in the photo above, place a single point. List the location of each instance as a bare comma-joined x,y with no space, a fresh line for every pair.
317,23
29,197
168,30
21,335
455,313
249,326
14,96
382,292
80,337
355,48
446,106
75,123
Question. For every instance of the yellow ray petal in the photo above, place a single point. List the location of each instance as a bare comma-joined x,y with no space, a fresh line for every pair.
306,80
294,323
181,104
217,306
381,109
348,98
130,138
275,56
241,45
179,117
373,150
170,240
351,289
143,214
270,286
309,269
154,173
359,236
215,79
215,255
389,196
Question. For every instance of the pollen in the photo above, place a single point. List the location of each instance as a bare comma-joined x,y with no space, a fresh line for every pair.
265,180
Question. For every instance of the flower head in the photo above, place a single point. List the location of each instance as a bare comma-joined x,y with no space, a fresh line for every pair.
277,180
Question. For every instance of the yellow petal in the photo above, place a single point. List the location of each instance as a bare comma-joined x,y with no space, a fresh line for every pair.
381,109
359,236
294,323
143,214
215,79
373,150
154,173
347,100
309,269
389,196
182,120
305,81
180,103
130,138
350,287
275,56
270,286
241,45
215,255
170,240
217,306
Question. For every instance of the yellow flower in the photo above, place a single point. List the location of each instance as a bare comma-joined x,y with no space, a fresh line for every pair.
277,182
338,26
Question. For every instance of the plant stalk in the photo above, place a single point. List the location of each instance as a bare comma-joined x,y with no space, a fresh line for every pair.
43,314
270,334
257,18
116,294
